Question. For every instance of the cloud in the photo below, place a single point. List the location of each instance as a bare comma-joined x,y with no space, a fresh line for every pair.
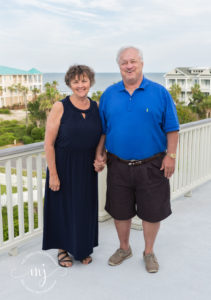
50,33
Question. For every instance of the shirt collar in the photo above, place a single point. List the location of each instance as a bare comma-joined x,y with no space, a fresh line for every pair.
142,86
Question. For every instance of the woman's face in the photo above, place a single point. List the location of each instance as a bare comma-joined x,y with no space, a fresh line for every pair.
80,85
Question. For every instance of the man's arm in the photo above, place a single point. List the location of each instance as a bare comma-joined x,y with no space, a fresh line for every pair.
168,163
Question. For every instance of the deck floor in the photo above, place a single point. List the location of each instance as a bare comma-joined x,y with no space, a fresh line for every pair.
183,248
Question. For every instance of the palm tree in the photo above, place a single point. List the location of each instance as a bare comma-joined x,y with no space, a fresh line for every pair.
55,83
197,95
35,92
12,89
1,90
49,97
175,91
25,91
19,89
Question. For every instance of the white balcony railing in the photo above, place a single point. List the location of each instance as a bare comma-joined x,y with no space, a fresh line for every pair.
193,168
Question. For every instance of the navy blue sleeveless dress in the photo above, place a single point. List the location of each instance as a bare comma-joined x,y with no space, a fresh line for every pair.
71,214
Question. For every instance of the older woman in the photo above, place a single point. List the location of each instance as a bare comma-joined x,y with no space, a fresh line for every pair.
73,131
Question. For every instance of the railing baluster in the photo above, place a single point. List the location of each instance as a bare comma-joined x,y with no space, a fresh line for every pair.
193,156
201,146
197,161
189,157
176,172
209,150
9,201
206,140
39,190
181,160
1,223
185,160
30,194
20,196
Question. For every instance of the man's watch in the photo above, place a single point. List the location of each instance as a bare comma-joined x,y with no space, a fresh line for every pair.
172,155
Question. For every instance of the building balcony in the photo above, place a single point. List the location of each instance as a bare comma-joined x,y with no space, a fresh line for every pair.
205,89
182,247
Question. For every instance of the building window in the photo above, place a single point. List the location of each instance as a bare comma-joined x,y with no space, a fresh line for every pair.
172,81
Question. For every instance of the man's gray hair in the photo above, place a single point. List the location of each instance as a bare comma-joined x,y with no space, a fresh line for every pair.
122,49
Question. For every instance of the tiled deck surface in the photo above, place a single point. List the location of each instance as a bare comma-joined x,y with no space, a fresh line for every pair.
183,249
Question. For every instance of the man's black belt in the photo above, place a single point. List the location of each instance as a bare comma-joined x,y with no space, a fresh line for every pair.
137,162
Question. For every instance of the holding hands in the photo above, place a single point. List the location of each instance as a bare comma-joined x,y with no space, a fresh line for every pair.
100,161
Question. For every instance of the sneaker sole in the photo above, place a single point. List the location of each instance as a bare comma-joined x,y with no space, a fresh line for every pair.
112,264
152,271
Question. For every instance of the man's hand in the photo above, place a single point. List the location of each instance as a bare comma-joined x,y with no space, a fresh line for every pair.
168,165
100,162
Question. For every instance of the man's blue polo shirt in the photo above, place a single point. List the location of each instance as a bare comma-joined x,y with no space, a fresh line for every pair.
136,126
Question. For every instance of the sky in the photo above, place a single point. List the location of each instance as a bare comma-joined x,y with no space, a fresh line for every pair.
51,35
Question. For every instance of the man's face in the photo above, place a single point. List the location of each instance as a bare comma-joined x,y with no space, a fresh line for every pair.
130,66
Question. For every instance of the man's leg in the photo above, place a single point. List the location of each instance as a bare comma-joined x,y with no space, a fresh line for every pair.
150,232
124,252
123,230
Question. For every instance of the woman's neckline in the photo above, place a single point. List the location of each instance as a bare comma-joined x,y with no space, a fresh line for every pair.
79,109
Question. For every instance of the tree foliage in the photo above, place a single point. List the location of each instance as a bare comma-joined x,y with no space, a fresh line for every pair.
36,115
49,97
175,91
197,95
185,114
96,96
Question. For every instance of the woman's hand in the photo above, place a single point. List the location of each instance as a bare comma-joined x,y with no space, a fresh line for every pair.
54,183
100,162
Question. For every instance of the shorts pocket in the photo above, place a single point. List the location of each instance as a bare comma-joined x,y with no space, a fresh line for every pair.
154,170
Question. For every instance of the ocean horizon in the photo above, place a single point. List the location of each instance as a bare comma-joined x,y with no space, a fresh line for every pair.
102,80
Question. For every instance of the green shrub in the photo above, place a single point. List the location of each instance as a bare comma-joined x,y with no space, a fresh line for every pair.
36,133
19,131
3,130
14,128
27,139
29,129
43,132
6,138
5,111
185,114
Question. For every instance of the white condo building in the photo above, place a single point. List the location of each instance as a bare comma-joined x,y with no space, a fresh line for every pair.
186,78
12,82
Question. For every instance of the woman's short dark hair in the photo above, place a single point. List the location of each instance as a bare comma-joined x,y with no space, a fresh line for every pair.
78,70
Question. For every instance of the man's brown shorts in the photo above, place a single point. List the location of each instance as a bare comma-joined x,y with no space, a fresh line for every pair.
141,190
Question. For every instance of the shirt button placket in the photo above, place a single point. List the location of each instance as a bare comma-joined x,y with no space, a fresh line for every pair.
130,104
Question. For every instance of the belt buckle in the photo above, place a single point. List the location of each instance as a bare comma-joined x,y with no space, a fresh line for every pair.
134,163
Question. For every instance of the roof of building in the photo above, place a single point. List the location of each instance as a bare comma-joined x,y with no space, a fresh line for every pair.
13,71
189,71
184,70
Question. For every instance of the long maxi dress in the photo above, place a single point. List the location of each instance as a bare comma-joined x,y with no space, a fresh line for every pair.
71,214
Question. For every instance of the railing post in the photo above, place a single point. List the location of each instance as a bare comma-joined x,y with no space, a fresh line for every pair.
103,215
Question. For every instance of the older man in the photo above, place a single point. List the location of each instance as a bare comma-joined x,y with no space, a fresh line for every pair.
141,128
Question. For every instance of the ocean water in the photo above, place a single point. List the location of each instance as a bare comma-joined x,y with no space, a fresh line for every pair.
102,80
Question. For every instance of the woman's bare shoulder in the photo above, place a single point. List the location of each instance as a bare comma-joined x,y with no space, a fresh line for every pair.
56,111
